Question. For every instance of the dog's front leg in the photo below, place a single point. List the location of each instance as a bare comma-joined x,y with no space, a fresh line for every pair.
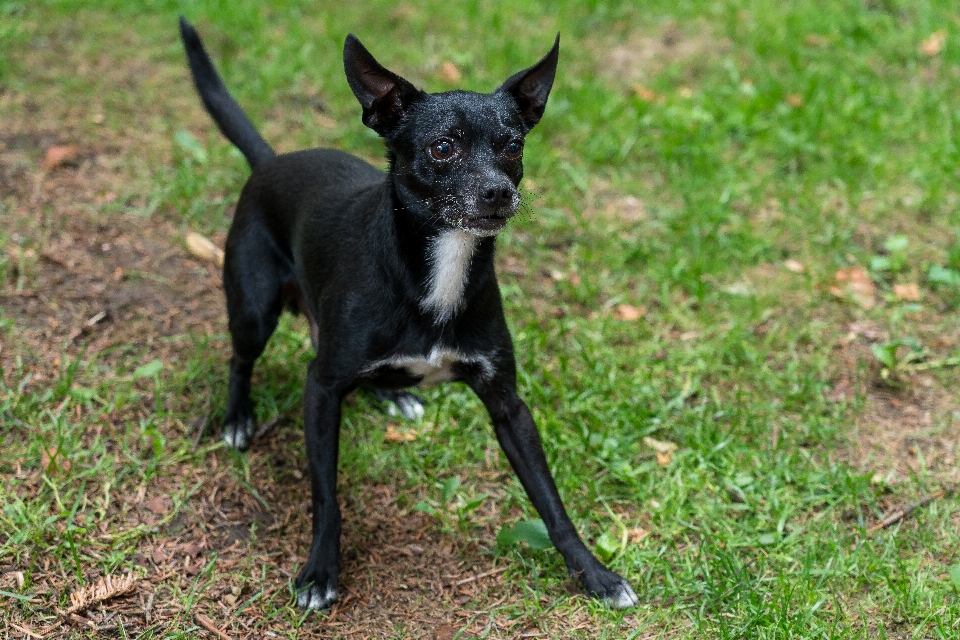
520,440
317,582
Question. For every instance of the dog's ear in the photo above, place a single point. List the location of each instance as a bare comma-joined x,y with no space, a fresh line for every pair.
384,96
531,87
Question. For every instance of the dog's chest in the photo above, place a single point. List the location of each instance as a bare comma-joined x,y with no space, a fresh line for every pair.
449,256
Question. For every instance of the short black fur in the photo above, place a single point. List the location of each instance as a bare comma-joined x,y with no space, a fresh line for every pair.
395,273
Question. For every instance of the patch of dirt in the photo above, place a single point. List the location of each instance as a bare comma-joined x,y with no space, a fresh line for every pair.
904,427
909,429
641,55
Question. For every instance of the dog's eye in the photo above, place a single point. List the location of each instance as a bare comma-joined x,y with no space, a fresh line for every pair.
515,148
441,149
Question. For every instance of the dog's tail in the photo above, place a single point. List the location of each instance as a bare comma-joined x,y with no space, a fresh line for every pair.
228,115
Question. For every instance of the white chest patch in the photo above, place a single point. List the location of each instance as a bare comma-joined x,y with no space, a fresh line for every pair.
449,256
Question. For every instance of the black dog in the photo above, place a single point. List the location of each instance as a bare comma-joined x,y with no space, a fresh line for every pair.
394,272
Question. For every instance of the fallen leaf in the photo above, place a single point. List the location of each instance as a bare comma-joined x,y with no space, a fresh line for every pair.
909,292
394,435
449,72
59,155
660,446
637,534
629,208
644,93
156,505
793,265
629,312
934,43
664,458
854,283
445,632
794,100
203,248
158,556
868,330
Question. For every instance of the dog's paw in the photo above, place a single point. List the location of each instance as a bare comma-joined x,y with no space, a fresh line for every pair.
316,589
622,597
612,589
239,433
402,403
409,406
316,598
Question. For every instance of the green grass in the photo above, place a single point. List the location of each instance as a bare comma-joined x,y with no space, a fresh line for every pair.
762,144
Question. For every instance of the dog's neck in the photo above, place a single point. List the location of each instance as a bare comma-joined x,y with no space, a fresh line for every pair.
440,259
449,255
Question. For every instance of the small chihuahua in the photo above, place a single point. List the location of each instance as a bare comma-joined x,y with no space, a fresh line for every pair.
393,271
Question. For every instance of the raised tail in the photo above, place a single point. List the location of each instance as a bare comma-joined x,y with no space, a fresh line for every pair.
230,118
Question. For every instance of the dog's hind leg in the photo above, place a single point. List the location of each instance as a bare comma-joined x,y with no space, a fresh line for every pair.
253,278
402,403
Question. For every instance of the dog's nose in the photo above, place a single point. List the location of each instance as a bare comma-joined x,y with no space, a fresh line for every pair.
497,195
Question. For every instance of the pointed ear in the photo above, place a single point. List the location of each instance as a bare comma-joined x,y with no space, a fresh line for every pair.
384,96
531,87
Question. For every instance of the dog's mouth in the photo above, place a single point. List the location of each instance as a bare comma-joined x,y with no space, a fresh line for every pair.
489,224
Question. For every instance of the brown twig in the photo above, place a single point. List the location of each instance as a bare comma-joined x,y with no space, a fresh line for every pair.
80,620
25,630
899,514
268,426
479,576
207,624
199,428
148,608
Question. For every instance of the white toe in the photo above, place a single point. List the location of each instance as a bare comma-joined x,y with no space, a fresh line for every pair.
624,598
411,409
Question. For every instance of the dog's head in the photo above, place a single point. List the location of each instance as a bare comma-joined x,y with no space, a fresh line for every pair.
456,157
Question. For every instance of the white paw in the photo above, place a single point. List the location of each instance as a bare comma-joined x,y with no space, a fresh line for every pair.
239,435
410,408
315,598
622,597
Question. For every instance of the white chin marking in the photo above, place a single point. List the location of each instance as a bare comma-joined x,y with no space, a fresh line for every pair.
624,598
484,233
449,255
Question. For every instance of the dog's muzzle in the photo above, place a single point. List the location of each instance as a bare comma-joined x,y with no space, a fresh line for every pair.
497,202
